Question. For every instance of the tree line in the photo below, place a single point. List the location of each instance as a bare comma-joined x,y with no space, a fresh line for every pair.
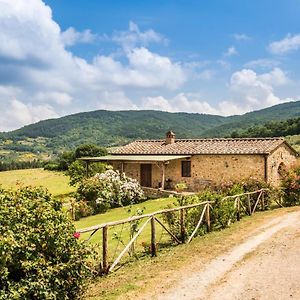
271,129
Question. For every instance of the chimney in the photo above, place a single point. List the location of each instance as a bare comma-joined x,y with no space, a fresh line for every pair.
170,137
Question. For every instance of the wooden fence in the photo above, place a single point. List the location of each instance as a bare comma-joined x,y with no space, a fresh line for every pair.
246,202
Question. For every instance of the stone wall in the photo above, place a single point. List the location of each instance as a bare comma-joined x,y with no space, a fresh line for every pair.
207,169
282,156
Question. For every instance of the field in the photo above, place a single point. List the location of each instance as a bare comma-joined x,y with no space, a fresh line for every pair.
56,183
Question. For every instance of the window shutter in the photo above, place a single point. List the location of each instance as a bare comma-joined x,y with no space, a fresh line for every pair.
186,168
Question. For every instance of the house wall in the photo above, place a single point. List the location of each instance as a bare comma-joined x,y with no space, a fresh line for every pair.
282,155
207,169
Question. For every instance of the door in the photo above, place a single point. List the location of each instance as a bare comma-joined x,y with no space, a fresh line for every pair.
146,175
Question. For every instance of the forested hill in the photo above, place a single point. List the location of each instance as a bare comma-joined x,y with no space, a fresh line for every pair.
271,129
274,113
109,128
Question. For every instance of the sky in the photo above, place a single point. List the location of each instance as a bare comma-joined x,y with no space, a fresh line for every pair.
220,57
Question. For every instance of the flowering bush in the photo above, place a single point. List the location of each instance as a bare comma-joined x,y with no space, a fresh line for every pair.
110,189
40,257
291,186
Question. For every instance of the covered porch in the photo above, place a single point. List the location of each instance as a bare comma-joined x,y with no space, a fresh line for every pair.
149,170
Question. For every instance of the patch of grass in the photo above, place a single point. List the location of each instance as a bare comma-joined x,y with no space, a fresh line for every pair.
148,276
122,212
119,236
55,182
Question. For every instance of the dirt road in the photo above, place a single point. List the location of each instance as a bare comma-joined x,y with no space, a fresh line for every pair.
266,266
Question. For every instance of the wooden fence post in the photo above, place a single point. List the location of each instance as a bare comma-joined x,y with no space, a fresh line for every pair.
153,238
249,205
238,215
182,228
207,215
263,201
105,249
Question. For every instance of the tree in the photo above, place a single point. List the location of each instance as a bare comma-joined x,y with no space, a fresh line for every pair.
77,169
89,150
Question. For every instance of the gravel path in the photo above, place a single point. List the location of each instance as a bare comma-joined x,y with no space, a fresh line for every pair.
266,266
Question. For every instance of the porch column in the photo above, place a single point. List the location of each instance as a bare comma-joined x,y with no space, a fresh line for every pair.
163,176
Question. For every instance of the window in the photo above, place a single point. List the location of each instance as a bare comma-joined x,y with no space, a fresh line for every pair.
186,168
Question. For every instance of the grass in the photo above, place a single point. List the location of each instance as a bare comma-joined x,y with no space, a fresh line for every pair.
55,182
119,236
148,276
122,212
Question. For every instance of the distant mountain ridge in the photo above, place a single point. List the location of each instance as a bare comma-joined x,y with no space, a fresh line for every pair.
111,128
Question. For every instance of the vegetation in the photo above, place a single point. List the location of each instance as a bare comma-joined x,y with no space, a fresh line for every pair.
271,129
107,190
40,256
291,186
109,128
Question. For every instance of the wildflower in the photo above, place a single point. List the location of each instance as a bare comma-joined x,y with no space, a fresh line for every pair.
76,235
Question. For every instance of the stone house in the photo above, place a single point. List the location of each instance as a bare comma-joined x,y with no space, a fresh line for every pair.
200,162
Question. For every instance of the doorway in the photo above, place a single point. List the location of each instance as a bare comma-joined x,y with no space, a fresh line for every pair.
146,175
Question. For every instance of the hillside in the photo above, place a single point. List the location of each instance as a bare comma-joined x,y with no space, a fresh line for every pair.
110,128
274,113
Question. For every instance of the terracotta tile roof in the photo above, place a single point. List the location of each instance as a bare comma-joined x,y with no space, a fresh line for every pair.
202,146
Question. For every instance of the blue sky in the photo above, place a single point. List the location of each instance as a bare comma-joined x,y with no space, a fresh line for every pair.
219,57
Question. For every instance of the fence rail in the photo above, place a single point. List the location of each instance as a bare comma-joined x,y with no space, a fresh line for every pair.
204,217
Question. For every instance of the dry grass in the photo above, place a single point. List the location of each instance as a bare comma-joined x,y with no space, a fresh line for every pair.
55,182
153,275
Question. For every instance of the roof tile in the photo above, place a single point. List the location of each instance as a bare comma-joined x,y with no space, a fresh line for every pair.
201,146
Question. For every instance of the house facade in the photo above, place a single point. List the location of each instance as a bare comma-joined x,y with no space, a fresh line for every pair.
201,162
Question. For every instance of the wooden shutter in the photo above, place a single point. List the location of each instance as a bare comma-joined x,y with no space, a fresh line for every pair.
186,168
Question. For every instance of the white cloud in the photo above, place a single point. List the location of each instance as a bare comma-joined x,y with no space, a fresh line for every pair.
179,103
71,37
264,63
288,44
46,77
59,98
16,114
252,91
230,51
134,37
241,37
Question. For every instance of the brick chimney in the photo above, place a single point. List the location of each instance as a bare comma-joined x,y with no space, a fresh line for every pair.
170,137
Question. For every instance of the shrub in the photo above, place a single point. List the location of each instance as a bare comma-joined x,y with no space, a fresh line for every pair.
39,256
81,209
108,190
291,186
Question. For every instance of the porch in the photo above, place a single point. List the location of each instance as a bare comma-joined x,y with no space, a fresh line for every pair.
149,170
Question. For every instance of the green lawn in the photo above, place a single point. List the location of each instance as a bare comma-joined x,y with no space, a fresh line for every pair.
55,182
122,212
115,245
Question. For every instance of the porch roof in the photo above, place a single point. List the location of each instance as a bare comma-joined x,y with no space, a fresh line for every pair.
134,158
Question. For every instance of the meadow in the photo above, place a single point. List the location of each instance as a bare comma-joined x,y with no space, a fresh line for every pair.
55,182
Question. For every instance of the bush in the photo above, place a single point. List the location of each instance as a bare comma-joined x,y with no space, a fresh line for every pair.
108,190
39,256
81,209
291,186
